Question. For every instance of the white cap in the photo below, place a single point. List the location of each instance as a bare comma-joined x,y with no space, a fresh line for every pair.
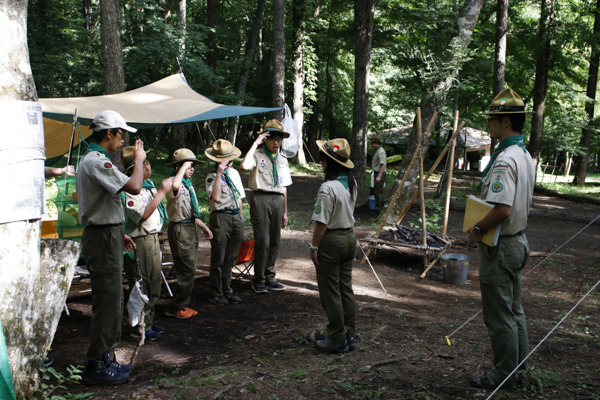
109,120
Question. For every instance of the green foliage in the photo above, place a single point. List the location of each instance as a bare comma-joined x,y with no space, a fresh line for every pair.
52,380
436,213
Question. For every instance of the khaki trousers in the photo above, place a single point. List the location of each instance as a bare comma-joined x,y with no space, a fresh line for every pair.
148,248
500,270
183,239
102,247
266,214
334,276
378,191
228,233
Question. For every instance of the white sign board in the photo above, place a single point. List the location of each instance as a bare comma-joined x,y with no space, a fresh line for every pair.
22,156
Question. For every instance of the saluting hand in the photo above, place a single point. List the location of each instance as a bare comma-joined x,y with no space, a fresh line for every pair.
138,151
222,167
261,138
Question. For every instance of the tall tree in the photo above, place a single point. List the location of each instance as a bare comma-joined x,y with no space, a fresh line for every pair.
32,292
500,52
540,87
112,50
452,60
251,45
212,17
278,93
364,12
581,160
298,68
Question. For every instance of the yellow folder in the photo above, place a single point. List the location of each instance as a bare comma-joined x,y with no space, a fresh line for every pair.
475,211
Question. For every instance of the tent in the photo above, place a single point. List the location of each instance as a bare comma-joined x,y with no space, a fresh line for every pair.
168,101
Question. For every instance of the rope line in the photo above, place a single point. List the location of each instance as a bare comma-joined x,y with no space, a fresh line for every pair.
528,272
544,339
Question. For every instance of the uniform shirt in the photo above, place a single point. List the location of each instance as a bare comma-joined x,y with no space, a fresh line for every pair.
227,201
135,207
510,181
99,184
261,175
379,158
179,208
334,206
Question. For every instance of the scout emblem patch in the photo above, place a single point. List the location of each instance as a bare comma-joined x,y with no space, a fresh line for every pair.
497,187
209,180
107,165
281,179
262,163
144,199
130,203
503,102
182,190
318,209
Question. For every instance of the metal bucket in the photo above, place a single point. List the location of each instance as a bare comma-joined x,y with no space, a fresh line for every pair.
455,268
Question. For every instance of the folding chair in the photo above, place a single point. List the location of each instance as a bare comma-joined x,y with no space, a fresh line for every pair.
245,261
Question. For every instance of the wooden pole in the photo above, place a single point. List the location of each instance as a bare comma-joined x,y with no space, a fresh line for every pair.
399,189
431,171
421,189
449,178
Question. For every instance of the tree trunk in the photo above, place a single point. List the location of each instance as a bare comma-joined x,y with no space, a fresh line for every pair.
30,299
251,46
278,94
112,51
182,21
313,130
540,86
364,11
581,161
438,93
298,67
500,53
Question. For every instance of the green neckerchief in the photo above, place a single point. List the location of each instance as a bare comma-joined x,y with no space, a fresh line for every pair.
96,147
162,210
234,191
274,162
188,185
509,141
343,179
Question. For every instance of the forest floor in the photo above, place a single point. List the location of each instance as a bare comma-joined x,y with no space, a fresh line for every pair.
261,348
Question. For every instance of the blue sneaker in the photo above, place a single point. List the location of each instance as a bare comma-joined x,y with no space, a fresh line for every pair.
276,286
259,287
97,373
150,335
157,329
113,364
48,361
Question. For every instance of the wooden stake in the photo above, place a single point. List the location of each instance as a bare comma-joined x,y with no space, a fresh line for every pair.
399,189
452,144
431,171
421,189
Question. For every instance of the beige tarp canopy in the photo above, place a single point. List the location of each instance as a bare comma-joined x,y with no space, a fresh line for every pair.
168,101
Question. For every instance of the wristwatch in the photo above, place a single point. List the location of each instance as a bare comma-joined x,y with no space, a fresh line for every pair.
311,247
477,229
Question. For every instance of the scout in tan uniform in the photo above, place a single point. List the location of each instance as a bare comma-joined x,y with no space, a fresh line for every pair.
508,183
182,207
333,245
269,176
99,185
225,194
379,165
145,216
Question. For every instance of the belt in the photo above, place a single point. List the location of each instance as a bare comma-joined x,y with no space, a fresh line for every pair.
340,229
105,225
234,212
520,233
185,221
265,192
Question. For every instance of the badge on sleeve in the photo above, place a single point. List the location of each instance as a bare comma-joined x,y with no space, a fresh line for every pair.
500,166
497,187
130,203
323,193
318,209
209,180
107,165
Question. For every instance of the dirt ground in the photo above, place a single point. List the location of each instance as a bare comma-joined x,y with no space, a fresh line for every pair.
261,348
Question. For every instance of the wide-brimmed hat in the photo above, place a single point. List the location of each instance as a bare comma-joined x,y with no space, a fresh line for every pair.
375,138
127,157
275,126
181,156
337,149
222,150
108,119
507,102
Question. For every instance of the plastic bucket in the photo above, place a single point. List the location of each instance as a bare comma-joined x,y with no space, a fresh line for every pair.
371,202
455,268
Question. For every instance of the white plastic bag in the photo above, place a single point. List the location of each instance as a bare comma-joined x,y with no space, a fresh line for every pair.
136,303
289,147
